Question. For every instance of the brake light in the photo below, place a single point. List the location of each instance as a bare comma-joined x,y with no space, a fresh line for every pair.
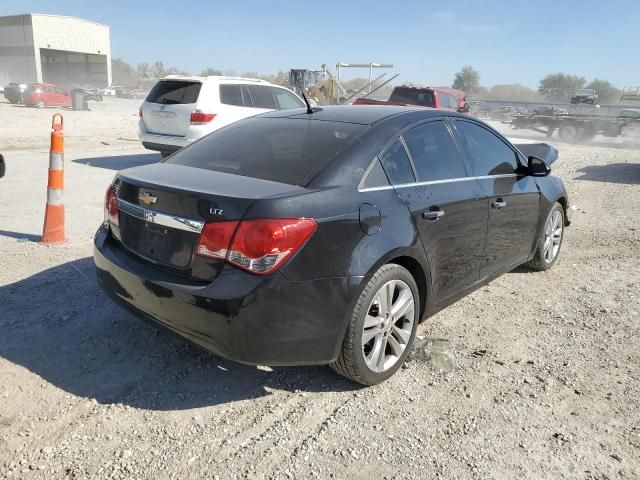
140,112
199,118
257,246
111,206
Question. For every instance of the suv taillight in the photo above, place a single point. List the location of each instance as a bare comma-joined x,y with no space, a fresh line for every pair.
199,118
111,206
257,246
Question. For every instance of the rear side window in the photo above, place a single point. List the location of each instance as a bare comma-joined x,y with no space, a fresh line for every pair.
397,165
286,99
261,96
413,96
170,92
277,149
232,95
488,154
434,153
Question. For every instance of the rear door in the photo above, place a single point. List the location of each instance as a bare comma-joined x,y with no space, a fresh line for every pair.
448,206
514,198
168,107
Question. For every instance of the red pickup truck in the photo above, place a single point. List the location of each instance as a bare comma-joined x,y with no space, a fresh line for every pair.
433,97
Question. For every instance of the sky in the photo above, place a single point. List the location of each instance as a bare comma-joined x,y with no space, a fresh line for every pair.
428,42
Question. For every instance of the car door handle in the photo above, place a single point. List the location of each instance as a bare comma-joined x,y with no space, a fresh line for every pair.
499,204
433,215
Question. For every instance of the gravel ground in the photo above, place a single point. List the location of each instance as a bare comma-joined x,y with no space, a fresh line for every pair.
533,376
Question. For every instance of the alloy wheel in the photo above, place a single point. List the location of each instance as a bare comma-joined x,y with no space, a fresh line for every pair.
552,236
388,325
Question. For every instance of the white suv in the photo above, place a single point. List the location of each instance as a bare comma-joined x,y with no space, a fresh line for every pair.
180,110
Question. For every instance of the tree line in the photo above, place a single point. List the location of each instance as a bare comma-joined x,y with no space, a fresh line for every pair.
553,88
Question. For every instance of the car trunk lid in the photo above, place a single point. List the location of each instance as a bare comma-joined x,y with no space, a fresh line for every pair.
163,208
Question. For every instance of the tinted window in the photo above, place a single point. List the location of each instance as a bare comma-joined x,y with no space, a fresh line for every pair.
281,150
231,95
286,99
376,176
261,96
434,152
413,96
397,165
170,92
487,153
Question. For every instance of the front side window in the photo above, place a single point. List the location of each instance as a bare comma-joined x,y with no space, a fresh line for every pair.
434,152
397,165
286,99
488,154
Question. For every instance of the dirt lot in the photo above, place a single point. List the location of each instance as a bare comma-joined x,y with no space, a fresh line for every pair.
534,376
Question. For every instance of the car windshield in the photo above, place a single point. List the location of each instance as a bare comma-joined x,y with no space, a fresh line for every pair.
290,151
584,92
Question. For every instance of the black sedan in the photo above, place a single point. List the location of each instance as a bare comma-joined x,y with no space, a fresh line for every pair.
325,238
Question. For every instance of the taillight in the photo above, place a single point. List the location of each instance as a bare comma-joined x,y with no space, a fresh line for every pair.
111,206
140,112
199,118
215,239
258,246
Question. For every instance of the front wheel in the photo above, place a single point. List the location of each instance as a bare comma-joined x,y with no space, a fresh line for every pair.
40,104
382,327
548,248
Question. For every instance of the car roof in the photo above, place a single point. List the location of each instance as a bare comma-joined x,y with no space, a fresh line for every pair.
215,78
361,114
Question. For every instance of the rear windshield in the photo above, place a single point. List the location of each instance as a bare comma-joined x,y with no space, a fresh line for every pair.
413,96
171,92
291,151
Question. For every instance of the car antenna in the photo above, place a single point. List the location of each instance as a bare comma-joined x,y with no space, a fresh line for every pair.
309,109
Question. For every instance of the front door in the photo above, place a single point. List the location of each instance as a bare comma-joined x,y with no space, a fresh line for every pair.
448,206
514,198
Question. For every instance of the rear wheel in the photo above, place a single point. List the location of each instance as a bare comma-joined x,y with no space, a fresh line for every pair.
382,327
548,248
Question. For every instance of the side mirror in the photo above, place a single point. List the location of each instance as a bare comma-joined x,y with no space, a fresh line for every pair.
2,166
538,167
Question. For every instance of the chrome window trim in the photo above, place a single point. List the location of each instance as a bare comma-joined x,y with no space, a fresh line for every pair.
436,182
160,218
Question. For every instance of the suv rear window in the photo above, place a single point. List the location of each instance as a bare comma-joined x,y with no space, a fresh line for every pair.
172,92
281,150
413,96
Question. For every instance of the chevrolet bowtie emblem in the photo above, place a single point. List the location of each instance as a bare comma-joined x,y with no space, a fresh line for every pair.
147,198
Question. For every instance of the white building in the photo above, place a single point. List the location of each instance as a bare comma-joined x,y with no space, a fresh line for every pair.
54,49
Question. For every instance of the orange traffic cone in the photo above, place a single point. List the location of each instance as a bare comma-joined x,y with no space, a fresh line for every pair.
53,230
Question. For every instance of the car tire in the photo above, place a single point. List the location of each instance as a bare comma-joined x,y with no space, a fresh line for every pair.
372,352
546,253
569,133
40,104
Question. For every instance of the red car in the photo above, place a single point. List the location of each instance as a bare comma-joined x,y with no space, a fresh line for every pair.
444,98
46,95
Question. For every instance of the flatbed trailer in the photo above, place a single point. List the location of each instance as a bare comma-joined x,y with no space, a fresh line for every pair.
572,127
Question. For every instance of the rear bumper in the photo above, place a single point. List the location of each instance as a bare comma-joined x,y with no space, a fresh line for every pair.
163,143
247,318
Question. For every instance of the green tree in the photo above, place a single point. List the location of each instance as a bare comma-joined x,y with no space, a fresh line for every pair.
558,87
210,71
467,80
607,93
